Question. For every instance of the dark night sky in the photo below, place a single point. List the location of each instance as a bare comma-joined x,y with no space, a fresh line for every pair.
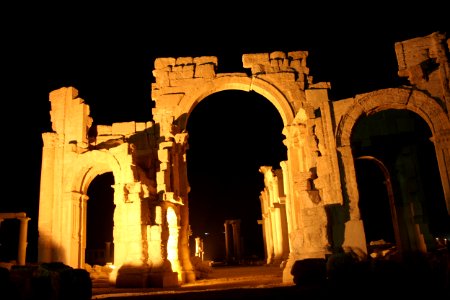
108,55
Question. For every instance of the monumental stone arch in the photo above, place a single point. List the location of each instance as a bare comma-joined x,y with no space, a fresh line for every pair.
148,162
86,168
402,99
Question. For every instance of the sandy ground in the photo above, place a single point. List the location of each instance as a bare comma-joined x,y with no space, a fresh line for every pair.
224,281
264,283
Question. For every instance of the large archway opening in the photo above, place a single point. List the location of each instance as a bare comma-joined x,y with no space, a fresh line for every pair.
374,204
231,135
100,220
401,141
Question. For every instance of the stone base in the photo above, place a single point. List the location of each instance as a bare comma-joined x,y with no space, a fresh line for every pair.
162,279
188,276
277,261
355,237
309,271
128,277
288,277
142,277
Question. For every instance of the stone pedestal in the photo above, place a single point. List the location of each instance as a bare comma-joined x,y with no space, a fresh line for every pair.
162,279
143,277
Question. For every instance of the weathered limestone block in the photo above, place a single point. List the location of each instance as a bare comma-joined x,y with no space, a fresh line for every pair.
104,130
169,100
423,60
161,77
205,60
249,60
164,155
181,61
277,55
154,244
141,126
276,63
207,70
324,167
301,181
133,187
123,128
181,72
70,116
299,55
316,238
315,215
355,237
164,62
183,82
161,177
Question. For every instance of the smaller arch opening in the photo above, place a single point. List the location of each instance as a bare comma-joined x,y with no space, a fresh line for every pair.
377,206
401,140
100,220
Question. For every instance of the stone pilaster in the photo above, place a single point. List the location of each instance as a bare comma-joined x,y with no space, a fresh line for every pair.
442,144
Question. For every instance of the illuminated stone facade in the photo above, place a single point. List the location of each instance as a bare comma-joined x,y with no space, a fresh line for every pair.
148,161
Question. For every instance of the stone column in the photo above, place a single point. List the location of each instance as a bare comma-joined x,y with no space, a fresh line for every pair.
22,250
78,213
354,236
164,176
108,257
199,247
295,139
284,232
227,243
442,145
181,188
46,197
266,226
173,242
288,204
237,239
22,245
308,234
277,232
132,238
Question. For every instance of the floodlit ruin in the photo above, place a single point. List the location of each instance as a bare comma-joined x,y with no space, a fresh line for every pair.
310,204
23,233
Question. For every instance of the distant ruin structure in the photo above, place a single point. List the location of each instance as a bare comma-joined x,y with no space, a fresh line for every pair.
199,248
310,206
274,221
233,245
23,233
